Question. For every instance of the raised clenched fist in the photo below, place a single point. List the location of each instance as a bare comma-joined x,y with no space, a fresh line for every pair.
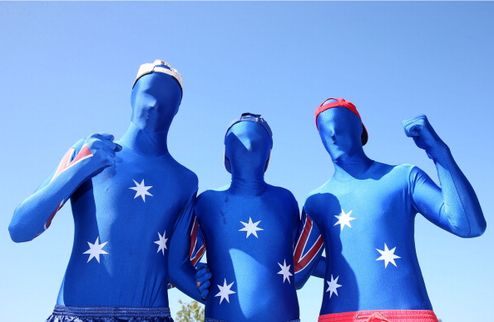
424,135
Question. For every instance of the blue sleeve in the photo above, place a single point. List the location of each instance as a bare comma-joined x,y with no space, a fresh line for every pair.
181,268
197,246
320,267
308,249
453,206
34,215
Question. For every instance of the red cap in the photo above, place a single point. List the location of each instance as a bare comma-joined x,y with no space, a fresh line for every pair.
341,102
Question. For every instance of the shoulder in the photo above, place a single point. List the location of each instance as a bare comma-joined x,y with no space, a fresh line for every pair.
281,192
410,175
283,195
403,170
190,176
320,199
209,196
316,193
409,171
404,167
186,176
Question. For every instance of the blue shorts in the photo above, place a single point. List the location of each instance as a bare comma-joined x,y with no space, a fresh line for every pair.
109,314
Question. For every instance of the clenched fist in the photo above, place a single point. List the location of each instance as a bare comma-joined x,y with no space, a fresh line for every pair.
424,136
103,149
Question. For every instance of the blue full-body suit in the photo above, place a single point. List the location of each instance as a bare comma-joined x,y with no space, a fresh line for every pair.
126,198
366,211
250,230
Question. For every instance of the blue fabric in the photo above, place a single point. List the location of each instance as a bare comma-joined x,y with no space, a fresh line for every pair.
127,197
251,230
366,214
109,314
215,320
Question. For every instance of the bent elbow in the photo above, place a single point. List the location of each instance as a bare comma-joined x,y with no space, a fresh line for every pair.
17,235
479,230
472,232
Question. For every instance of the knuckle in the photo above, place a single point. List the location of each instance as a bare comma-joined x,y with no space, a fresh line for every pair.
95,143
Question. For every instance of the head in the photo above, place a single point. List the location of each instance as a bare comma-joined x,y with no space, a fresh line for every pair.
248,144
340,127
156,96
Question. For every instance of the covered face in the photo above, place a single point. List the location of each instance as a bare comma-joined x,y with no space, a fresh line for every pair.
156,96
248,143
340,128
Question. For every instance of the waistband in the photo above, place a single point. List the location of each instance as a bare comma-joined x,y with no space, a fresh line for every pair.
112,311
216,320
381,316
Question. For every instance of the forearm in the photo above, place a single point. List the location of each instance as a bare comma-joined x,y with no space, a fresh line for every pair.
460,205
183,277
307,252
31,216
320,268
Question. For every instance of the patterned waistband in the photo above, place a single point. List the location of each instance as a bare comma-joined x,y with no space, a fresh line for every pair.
123,312
216,320
381,316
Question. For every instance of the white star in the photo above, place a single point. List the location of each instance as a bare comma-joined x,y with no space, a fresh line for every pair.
161,242
95,250
333,286
344,219
387,255
285,271
225,291
141,190
250,228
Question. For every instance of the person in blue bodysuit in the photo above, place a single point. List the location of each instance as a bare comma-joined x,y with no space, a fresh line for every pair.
366,211
126,197
253,233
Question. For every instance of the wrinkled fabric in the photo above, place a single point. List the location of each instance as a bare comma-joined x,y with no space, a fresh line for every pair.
126,197
381,316
258,246
109,314
366,214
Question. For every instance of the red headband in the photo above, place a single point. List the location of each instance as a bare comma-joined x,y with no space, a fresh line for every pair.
341,102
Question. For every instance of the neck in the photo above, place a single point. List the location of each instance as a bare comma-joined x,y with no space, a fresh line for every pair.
145,141
354,165
248,185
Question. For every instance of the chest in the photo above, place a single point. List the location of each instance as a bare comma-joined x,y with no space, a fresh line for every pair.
134,194
239,222
366,207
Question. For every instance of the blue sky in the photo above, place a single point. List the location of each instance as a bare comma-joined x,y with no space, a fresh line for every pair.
67,69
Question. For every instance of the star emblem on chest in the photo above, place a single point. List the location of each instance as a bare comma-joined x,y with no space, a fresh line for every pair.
141,190
250,228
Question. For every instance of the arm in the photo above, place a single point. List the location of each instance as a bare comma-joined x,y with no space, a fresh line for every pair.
308,249
185,252
454,205
320,267
85,159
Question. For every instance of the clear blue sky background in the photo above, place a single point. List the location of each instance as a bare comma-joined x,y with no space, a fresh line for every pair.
67,68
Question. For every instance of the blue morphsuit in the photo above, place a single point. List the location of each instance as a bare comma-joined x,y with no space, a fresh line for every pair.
252,232
366,211
126,198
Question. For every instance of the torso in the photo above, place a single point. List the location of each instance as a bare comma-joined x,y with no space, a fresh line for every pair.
136,227
250,262
383,213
